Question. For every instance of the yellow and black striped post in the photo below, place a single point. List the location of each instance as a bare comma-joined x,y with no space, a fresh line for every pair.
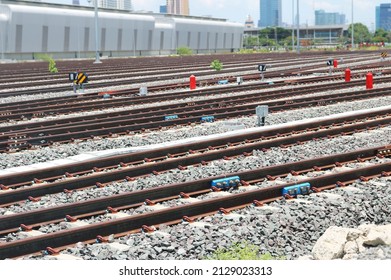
81,78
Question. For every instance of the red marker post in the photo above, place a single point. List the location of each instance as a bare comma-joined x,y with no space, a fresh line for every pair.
335,63
193,82
347,75
369,81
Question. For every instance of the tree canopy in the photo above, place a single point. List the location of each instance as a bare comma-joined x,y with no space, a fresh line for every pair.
281,37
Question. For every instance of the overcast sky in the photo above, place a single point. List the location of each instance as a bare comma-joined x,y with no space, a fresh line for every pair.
237,10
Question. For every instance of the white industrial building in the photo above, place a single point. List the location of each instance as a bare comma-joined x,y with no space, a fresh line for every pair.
27,29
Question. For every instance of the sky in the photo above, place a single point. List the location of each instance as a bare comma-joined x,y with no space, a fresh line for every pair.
238,10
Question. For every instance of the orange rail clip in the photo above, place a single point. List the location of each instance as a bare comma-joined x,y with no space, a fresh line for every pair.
69,218
224,211
147,229
187,219
51,251
149,202
258,203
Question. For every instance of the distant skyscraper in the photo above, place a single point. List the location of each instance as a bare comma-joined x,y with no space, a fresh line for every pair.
385,17
116,4
178,7
125,5
323,18
377,17
163,9
270,13
76,2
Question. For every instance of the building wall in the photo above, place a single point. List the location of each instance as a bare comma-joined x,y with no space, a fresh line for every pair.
34,29
385,17
270,13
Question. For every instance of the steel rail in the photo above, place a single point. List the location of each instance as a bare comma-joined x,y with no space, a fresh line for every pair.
139,78
41,105
284,93
143,80
141,69
116,175
156,120
175,214
37,217
54,107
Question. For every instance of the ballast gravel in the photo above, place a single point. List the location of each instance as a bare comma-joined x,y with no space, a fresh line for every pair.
63,151
286,229
273,156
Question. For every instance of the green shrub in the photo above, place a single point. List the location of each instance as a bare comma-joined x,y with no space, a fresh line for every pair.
216,64
184,51
48,58
52,66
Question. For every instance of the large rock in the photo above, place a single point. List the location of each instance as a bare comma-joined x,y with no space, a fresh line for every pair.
376,235
347,243
331,244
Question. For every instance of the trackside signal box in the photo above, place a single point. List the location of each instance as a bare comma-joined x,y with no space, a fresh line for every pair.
262,67
262,111
73,76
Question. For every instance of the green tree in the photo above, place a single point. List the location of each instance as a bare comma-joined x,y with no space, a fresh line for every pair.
288,41
272,36
381,36
361,33
250,41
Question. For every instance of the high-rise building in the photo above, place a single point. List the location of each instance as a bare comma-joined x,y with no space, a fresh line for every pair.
270,13
163,9
385,17
324,18
109,4
125,5
178,7
377,17
116,4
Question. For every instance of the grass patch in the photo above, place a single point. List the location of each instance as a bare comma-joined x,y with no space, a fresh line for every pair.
241,251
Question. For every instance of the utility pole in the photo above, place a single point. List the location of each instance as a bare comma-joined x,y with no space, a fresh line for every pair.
2,35
97,56
293,24
352,27
298,27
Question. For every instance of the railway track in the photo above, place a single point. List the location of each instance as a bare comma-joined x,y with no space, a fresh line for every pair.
123,77
38,70
158,160
127,211
139,121
70,104
133,223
